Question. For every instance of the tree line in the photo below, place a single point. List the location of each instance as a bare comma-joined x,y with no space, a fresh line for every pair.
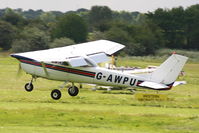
143,34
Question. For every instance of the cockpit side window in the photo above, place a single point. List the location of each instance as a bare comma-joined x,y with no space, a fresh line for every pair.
61,63
65,63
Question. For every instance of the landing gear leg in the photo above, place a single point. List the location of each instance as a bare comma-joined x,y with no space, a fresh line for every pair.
29,86
73,90
133,91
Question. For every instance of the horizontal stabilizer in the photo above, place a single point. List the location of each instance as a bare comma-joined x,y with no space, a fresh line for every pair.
176,83
153,85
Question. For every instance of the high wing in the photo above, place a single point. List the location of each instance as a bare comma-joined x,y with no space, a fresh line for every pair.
83,54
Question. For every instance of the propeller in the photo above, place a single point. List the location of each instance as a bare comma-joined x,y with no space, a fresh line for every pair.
19,71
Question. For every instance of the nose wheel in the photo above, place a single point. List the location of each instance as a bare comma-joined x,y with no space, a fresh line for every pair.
29,87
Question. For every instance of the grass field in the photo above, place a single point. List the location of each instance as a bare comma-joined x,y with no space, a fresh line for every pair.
95,111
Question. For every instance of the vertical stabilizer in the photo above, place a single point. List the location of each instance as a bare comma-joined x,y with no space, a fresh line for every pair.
168,71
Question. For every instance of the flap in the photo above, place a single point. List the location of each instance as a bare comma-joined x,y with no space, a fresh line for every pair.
98,57
82,61
78,61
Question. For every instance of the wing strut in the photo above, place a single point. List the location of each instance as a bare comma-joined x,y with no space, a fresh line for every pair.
44,67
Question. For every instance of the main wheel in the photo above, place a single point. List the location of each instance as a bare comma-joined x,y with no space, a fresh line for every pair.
73,91
56,94
28,87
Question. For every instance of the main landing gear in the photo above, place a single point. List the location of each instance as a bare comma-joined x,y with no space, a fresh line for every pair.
56,94
72,91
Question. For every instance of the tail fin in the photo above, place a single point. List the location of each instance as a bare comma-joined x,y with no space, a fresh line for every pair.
168,71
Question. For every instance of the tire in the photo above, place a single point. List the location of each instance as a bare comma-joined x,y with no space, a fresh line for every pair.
28,87
56,94
73,91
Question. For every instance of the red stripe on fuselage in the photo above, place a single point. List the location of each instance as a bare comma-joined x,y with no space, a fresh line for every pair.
60,68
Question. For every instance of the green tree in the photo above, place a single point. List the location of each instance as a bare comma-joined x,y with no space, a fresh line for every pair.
192,28
118,35
142,39
7,34
123,16
61,42
48,17
38,23
99,16
31,38
21,45
71,26
172,23
96,35
14,18
31,14
147,38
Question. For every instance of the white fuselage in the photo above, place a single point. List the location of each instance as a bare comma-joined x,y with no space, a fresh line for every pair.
92,75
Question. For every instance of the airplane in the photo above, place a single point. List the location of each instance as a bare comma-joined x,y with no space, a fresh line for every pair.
79,64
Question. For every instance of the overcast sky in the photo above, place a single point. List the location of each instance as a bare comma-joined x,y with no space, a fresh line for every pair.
66,5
